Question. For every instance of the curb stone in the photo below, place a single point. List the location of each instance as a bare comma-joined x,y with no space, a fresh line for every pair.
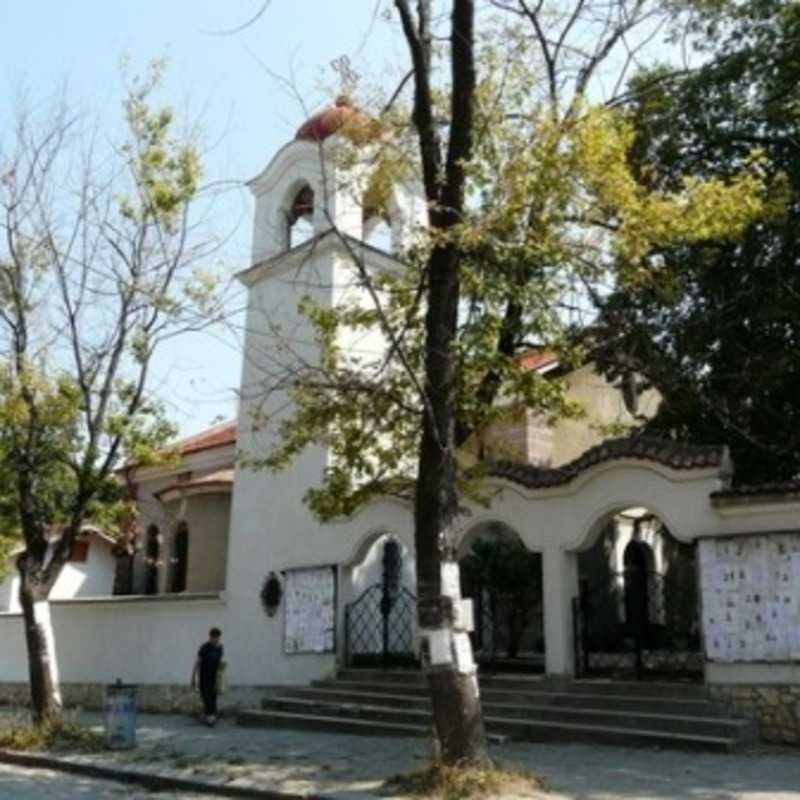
149,780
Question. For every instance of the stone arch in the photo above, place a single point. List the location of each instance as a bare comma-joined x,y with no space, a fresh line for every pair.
598,521
363,567
489,527
465,531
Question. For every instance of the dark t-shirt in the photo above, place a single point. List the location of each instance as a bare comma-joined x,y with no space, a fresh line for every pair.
210,656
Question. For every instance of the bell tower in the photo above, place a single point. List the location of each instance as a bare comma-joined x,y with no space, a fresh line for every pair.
315,215
315,184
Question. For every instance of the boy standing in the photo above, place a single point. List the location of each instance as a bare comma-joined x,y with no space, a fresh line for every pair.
208,664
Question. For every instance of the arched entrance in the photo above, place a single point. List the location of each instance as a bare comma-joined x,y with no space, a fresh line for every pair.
637,611
380,611
503,578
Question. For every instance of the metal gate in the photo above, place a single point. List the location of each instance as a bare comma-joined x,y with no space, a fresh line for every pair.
502,643
637,624
379,627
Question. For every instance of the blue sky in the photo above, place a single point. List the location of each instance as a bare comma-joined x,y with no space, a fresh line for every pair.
225,83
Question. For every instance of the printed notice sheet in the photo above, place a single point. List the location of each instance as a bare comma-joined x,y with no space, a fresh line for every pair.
310,608
750,588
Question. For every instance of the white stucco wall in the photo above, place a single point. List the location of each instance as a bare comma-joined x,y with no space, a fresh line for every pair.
98,641
272,530
91,578
7,591
603,404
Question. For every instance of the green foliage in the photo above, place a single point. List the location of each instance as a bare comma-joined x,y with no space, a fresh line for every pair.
39,430
165,172
93,277
715,329
554,202
62,735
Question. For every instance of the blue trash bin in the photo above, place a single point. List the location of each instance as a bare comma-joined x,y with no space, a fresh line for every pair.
120,715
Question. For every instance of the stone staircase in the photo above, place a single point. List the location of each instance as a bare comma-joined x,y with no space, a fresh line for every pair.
518,707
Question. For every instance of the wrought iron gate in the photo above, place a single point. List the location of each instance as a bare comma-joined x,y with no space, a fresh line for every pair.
637,624
497,644
379,627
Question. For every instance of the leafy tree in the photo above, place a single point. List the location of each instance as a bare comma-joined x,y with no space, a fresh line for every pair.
529,187
97,268
716,328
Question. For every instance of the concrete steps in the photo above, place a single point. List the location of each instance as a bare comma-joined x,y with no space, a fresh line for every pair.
402,695
517,707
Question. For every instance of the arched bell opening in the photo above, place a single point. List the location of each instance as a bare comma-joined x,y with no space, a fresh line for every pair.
377,230
300,217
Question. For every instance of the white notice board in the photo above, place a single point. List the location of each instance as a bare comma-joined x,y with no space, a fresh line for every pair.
751,597
310,610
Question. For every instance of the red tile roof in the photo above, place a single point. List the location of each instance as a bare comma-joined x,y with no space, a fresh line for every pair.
340,117
537,359
218,436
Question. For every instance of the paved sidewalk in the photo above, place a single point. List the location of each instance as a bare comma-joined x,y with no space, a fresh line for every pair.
18,783
354,768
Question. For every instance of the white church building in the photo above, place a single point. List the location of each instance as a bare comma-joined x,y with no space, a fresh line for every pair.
226,545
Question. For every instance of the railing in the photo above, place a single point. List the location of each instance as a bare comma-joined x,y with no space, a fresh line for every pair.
637,624
380,627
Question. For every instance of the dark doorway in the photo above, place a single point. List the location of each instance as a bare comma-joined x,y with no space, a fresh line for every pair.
153,554
637,601
180,558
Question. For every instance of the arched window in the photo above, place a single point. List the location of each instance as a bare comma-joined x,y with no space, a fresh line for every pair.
153,553
180,558
378,231
300,217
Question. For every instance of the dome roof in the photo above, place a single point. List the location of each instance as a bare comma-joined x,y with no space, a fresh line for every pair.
343,118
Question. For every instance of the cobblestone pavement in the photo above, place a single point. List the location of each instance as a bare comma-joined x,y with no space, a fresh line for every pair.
17,783
355,767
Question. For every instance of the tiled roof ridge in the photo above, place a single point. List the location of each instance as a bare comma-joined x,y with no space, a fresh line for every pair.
217,435
669,453
791,486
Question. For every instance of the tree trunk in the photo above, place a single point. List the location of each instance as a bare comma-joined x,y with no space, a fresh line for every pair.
447,653
42,663
455,699
454,685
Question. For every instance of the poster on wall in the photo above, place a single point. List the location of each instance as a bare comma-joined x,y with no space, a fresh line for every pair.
751,597
310,608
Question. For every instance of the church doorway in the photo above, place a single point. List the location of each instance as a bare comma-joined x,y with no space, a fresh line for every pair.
637,611
381,607
504,581
637,601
